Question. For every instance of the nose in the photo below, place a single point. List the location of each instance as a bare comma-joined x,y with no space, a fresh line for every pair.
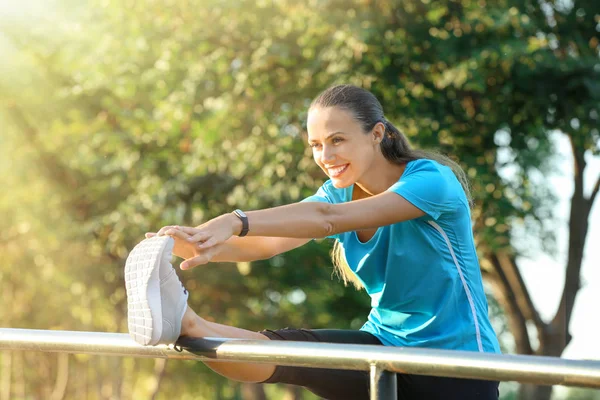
327,154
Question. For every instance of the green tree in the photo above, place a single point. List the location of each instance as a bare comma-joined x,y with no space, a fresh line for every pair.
582,394
489,83
120,117
157,115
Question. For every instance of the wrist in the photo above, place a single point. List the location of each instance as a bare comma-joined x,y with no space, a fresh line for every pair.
244,220
235,223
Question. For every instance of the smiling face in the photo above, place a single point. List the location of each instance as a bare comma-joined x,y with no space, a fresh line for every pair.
340,146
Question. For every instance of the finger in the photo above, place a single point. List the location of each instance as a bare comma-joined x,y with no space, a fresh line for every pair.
194,262
199,237
208,244
149,234
177,234
188,229
201,259
161,231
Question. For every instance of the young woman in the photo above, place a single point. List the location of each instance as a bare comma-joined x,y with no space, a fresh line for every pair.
402,226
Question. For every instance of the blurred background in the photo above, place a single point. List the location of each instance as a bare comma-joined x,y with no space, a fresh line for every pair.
120,116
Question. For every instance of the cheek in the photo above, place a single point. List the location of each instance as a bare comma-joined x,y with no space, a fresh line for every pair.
362,158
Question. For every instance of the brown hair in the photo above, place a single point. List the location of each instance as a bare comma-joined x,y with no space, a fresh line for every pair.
367,110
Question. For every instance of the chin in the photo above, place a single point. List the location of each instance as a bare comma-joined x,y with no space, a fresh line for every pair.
341,184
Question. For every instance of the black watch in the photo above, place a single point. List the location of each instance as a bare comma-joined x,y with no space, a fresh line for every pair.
244,218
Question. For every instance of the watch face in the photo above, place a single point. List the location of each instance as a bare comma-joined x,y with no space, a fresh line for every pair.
240,213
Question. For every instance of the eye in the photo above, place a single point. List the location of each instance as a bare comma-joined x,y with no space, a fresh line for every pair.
314,145
337,140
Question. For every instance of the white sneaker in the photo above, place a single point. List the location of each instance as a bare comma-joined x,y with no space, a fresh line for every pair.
156,299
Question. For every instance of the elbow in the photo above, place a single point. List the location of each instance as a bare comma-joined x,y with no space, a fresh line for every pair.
269,248
327,219
267,254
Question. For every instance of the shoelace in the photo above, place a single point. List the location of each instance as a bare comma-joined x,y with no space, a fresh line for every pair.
184,289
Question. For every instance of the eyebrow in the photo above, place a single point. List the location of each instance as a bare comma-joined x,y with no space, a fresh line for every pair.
330,135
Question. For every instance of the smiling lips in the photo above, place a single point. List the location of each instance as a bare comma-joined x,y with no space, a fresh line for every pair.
334,172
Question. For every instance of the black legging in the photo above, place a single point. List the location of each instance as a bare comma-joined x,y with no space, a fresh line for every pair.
333,384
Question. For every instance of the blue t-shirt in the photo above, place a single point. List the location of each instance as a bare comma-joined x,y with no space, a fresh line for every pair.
422,275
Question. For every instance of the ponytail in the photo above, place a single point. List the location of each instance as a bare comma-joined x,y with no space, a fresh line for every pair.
396,149
341,267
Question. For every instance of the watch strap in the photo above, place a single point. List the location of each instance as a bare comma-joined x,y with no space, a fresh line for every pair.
244,218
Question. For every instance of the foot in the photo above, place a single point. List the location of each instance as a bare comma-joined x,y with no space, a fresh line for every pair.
156,299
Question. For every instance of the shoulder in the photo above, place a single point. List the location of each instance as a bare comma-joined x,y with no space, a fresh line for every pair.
430,186
430,173
427,166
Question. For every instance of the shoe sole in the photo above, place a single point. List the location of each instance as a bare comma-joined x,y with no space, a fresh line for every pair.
142,283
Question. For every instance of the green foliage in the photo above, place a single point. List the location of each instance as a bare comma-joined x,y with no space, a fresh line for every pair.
158,115
582,394
119,117
486,82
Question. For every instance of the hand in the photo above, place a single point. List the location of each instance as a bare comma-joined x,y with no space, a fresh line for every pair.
199,245
198,256
182,248
216,231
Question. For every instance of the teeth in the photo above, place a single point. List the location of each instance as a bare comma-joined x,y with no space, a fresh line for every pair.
335,171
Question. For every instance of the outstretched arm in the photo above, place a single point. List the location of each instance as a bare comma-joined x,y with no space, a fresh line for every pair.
255,248
310,219
235,249
302,221
319,220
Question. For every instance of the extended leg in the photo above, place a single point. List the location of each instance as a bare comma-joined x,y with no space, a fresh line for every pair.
194,326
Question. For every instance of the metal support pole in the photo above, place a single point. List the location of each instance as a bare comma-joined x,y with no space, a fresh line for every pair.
383,384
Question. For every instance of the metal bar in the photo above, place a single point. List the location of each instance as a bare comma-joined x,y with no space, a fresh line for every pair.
97,343
460,364
383,384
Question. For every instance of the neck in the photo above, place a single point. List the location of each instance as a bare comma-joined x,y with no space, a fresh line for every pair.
380,177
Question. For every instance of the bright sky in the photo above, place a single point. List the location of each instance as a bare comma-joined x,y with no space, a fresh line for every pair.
23,9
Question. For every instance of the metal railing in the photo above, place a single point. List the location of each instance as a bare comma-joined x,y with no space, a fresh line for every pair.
381,361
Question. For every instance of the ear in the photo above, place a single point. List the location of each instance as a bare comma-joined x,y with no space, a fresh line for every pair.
378,132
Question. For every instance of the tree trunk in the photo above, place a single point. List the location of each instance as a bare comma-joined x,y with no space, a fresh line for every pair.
293,392
160,367
513,296
5,377
19,369
81,381
253,391
117,377
509,290
7,356
62,377
130,376
534,392
45,376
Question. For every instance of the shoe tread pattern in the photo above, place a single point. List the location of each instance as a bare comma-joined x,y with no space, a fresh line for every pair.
142,316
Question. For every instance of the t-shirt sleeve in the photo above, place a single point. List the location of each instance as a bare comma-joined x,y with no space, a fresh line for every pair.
427,188
323,197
